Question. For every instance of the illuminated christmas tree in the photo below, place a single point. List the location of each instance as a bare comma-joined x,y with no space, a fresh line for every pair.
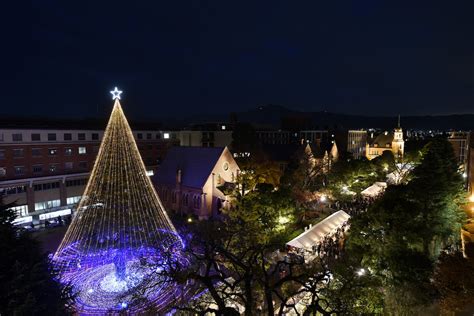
120,225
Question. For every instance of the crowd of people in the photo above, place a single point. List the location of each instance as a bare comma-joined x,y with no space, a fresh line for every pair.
355,206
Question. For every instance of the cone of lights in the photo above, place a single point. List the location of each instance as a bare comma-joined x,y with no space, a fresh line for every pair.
119,228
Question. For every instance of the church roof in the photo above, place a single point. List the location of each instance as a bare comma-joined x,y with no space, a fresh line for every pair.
382,140
195,163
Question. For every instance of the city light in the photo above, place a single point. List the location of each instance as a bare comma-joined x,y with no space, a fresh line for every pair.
361,272
323,198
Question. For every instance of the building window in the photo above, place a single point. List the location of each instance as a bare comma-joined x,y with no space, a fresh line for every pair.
21,210
37,169
3,171
139,136
68,165
19,170
17,137
36,152
174,197
35,137
95,136
148,136
81,136
18,153
68,151
1,137
51,137
13,190
95,149
53,151
158,136
76,182
2,153
73,199
185,199
197,202
82,150
54,168
166,135
46,186
67,136
83,164
47,204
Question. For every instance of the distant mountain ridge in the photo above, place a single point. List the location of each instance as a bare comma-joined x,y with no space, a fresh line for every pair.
273,116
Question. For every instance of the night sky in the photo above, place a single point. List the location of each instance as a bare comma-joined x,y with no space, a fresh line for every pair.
184,58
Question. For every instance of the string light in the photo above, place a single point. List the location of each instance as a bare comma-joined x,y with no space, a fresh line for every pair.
120,222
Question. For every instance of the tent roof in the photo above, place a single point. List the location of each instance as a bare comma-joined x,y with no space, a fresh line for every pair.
375,189
316,234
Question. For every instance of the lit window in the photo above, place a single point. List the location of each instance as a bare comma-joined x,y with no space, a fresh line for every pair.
166,135
68,151
223,127
73,199
82,150
53,151
21,210
47,204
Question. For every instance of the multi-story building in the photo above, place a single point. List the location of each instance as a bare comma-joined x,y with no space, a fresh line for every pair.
461,142
221,138
45,170
277,137
391,141
318,137
357,143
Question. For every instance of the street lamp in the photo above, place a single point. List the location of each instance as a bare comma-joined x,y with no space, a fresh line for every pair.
361,272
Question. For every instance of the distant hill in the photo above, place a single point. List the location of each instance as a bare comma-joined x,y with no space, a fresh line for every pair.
274,116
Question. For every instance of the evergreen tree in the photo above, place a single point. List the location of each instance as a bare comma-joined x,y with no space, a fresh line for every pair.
27,280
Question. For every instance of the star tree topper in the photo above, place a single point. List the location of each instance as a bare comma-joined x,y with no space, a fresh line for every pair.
116,93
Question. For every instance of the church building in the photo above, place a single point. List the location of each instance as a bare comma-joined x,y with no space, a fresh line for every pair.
392,141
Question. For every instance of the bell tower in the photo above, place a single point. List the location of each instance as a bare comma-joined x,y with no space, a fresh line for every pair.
398,144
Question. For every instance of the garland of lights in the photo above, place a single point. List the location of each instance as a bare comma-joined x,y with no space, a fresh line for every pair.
119,225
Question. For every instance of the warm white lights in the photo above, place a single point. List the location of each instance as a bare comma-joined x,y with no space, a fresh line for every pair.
116,93
361,272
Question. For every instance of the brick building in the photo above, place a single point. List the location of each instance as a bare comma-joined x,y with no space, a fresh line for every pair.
45,170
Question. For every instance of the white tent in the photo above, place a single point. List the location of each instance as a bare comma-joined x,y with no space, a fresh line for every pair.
375,189
316,234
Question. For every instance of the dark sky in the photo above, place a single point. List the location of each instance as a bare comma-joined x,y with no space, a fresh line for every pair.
175,58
